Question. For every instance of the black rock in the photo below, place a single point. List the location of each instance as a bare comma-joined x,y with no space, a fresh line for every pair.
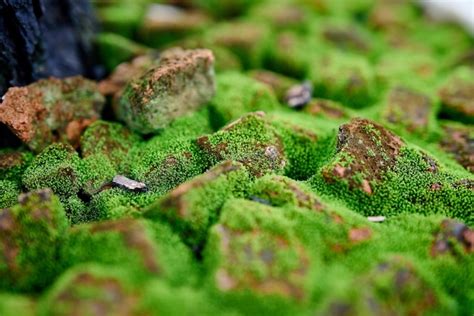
42,38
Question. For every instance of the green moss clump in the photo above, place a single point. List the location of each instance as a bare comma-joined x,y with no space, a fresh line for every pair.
97,171
238,94
250,44
86,289
30,234
456,94
13,164
346,78
290,55
250,140
162,165
9,191
256,263
395,285
110,139
58,168
136,245
123,18
14,305
305,141
194,205
224,8
280,84
115,49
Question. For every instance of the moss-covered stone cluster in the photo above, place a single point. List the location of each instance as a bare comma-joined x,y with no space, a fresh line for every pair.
357,201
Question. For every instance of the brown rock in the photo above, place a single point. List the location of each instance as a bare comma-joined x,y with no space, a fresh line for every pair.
365,151
459,141
408,108
51,110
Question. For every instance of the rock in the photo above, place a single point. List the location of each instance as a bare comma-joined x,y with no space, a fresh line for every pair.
408,108
327,108
250,140
299,95
30,233
250,254
365,150
457,95
51,110
181,83
280,84
194,205
42,38
458,140
450,233
57,168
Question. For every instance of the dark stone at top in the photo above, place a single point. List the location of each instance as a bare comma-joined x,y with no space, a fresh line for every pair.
42,38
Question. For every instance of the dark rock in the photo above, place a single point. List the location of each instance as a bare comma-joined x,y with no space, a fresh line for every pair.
42,38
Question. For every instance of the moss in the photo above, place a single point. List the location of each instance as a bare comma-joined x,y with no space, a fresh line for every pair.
256,263
110,139
58,168
12,305
136,245
97,171
250,140
238,94
123,18
409,187
13,164
115,49
194,205
87,288
30,234
250,44
9,192
223,9
290,55
305,141
181,83
344,77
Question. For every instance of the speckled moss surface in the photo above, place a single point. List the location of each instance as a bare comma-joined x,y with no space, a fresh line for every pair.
357,201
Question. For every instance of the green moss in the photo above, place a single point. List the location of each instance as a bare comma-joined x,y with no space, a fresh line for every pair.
224,8
97,171
306,141
13,164
250,44
256,263
13,305
344,77
110,139
409,187
85,289
115,49
136,245
250,140
238,94
58,168
123,19
194,205
9,192
30,234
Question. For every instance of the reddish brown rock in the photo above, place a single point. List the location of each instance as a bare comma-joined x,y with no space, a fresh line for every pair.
408,108
459,142
365,151
51,110
451,233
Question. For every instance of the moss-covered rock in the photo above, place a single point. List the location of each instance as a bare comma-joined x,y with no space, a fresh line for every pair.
181,83
30,235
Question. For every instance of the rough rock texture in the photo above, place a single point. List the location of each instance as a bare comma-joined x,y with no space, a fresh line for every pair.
408,108
51,110
457,95
459,141
42,38
29,237
365,150
181,83
250,140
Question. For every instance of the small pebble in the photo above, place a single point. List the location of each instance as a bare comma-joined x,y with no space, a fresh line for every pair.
299,95
376,219
129,184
